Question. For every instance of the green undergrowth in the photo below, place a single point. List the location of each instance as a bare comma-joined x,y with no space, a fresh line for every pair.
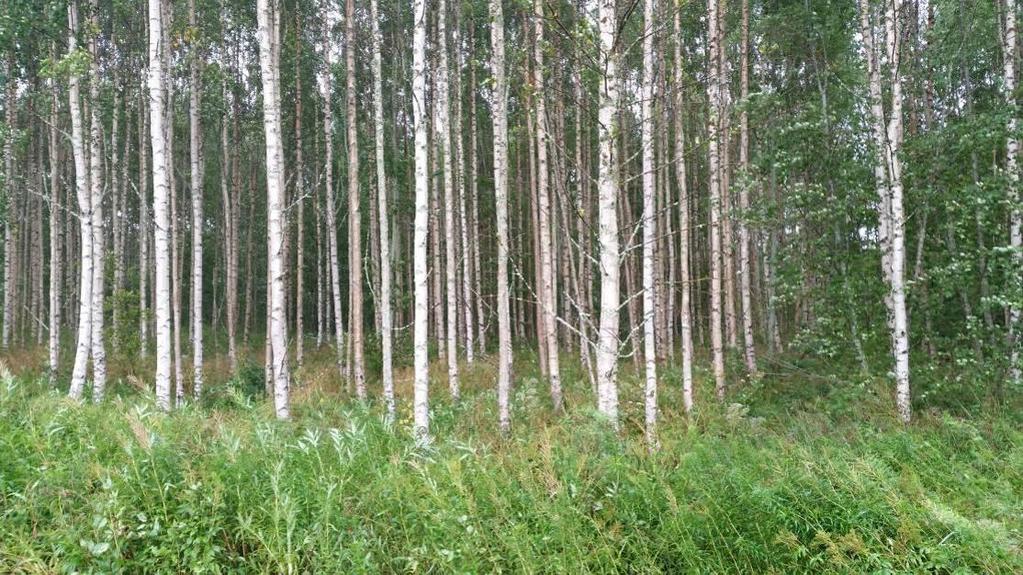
793,475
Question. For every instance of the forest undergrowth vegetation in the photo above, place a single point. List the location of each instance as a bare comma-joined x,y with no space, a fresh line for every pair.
782,477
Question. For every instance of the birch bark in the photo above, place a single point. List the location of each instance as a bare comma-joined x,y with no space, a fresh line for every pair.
607,189
421,385
387,376
268,24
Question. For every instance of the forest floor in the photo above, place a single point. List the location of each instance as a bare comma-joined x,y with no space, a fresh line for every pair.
797,473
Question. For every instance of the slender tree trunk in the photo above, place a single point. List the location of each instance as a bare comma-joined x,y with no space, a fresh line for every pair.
268,33
1009,49
144,221
888,176
196,170
444,131
382,210
714,144
421,359
354,213
159,116
326,81
607,186
230,234
99,356
649,227
84,194
321,318
745,279
481,339
56,265
500,121
300,191
546,297
463,218
685,317
9,243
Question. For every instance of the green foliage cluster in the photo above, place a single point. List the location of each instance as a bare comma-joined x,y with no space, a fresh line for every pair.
795,485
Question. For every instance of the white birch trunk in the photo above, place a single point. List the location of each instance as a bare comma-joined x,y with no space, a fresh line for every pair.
607,189
300,192
888,177
144,221
99,356
269,44
158,112
325,80
500,121
421,361
745,279
685,317
387,376
56,265
8,182
354,213
649,228
443,129
84,195
714,145
196,173
546,279
1012,172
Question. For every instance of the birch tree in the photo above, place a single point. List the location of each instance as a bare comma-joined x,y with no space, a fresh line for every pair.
1009,51
887,140
546,280
354,213
196,173
421,361
268,33
444,131
84,194
607,190
685,319
500,122
383,209
745,279
10,96
649,227
714,168
332,16
56,265
158,116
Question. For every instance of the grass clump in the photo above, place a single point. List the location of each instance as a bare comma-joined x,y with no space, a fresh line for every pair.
223,488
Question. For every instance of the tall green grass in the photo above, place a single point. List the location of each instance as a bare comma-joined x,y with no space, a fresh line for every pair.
805,479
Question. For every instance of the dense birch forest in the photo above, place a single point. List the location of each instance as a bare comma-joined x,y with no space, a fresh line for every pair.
558,286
